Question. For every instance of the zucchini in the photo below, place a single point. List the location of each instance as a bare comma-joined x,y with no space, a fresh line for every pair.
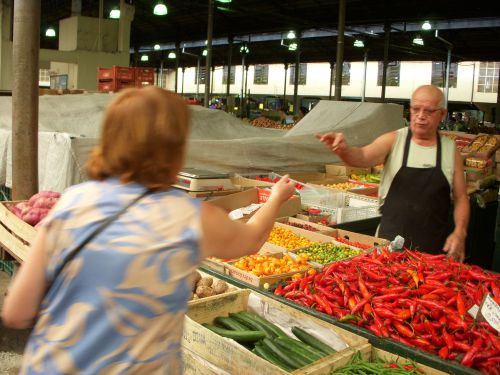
230,323
270,357
285,357
240,336
270,326
312,341
299,356
300,347
251,324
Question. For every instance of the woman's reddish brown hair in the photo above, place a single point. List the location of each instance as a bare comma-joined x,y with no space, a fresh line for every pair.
143,138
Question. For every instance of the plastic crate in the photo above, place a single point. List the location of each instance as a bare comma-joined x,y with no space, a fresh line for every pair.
143,83
116,73
145,74
113,86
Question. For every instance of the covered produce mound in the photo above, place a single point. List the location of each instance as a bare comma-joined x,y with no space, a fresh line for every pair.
70,125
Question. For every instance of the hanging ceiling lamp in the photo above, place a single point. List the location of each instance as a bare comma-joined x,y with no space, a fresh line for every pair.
160,9
426,25
144,58
291,35
358,43
50,32
292,46
172,55
418,40
204,53
115,13
156,47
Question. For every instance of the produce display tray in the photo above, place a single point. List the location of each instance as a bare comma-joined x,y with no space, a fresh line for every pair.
233,358
15,235
386,345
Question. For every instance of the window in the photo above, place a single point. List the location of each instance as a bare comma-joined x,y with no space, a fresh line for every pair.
261,74
224,75
439,74
44,77
302,74
346,73
393,70
202,75
488,77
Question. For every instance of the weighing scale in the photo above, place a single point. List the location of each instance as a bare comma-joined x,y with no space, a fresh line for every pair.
192,179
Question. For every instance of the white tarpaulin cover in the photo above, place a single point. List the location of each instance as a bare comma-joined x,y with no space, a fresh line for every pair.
70,125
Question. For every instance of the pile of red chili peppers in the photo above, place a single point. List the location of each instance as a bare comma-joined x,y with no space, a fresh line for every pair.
418,299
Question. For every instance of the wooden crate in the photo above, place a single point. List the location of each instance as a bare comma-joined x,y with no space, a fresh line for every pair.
228,355
260,281
312,236
321,229
15,235
382,354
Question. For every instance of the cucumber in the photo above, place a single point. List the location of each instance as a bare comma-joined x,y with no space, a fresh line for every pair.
270,326
240,336
251,324
312,341
300,347
292,353
270,357
285,357
230,323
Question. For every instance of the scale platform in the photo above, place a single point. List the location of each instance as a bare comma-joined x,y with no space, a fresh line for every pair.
192,179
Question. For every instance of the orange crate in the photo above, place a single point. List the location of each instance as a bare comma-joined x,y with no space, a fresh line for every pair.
145,74
116,73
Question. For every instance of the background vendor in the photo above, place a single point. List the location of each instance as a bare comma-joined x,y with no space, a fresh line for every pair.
423,171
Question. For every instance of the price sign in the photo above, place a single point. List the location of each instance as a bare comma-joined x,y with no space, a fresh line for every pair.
490,312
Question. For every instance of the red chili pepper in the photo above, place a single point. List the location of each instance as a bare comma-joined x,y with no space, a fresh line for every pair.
384,313
359,305
461,306
480,276
450,342
403,314
443,352
495,289
461,346
403,329
291,285
362,288
279,290
324,305
439,276
293,294
468,358
393,280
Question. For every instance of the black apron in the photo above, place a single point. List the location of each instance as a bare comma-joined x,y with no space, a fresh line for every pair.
417,205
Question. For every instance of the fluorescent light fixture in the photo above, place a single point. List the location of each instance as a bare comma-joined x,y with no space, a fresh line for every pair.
115,13
291,35
292,46
418,40
426,25
50,32
225,1
144,58
204,53
172,55
160,9
156,47
244,49
358,43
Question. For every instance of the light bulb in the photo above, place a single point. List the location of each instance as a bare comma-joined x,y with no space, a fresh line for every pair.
426,25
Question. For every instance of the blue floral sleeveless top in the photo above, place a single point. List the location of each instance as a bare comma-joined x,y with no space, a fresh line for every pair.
118,307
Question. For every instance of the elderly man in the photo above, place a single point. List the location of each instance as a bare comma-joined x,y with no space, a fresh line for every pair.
422,172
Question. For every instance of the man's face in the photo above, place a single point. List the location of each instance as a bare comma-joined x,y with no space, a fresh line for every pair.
426,114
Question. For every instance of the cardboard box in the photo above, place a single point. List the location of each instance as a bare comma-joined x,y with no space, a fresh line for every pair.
248,183
358,237
256,195
232,357
304,177
312,236
321,229
475,174
365,188
344,170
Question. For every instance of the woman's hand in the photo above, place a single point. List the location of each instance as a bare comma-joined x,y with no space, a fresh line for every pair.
283,189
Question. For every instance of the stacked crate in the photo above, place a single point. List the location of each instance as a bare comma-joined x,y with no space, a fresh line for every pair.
115,78
144,77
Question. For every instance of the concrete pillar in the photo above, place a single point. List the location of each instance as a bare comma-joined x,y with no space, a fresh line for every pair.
6,44
26,45
229,62
387,40
76,7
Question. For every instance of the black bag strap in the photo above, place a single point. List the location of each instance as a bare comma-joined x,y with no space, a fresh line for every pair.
93,234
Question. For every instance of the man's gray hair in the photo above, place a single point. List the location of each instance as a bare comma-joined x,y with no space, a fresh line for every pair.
437,89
